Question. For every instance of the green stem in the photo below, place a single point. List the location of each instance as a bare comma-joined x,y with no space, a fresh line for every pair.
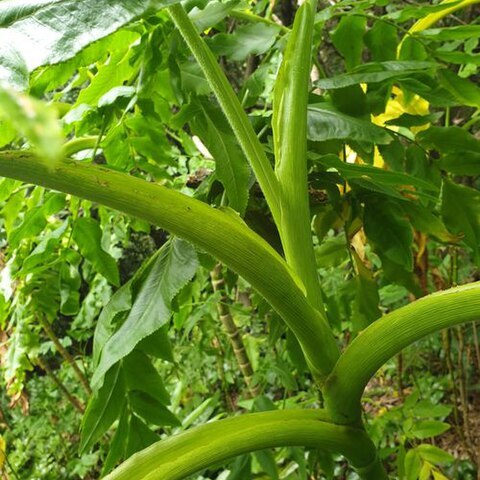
387,337
290,139
251,17
231,106
78,145
222,235
182,455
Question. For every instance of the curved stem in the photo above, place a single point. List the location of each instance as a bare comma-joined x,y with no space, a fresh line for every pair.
388,336
79,144
231,106
182,455
223,235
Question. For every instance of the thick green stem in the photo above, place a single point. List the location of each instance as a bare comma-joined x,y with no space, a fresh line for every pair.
182,455
221,234
290,138
231,107
388,336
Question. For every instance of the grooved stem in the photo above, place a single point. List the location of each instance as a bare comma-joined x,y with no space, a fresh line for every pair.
233,333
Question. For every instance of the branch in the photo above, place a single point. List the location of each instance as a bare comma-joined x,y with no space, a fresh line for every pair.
182,455
386,337
221,234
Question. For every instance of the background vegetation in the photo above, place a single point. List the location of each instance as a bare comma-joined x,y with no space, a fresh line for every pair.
394,166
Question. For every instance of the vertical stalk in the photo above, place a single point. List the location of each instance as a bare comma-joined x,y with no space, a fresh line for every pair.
241,355
290,140
231,106
65,354
73,400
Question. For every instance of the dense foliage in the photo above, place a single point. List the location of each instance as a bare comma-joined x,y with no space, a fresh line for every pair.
116,333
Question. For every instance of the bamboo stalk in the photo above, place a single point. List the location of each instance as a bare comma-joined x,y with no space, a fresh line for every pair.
232,331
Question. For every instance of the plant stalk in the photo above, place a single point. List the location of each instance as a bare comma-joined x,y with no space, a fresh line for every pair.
182,455
388,336
233,333
231,107
221,234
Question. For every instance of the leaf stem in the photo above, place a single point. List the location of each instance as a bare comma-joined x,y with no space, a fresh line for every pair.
386,337
182,455
221,234
231,107
290,139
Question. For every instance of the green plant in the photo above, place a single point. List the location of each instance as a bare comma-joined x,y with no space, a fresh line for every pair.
289,280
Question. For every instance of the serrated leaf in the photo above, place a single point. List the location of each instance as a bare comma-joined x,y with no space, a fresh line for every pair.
36,33
88,236
103,408
158,345
173,267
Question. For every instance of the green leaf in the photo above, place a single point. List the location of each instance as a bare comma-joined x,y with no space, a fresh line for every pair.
325,123
375,179
152,410
375,73
462,32
433,454
88,236
367,299
35,120
428,428
69,285
139,436
49,32
211,14
413,465
457,57
460,151
389,231
461,213
348,39
118,445
35,219
267,462
466,92
103,408
173,267
231,166
141,376
255,38
158,345
382,41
